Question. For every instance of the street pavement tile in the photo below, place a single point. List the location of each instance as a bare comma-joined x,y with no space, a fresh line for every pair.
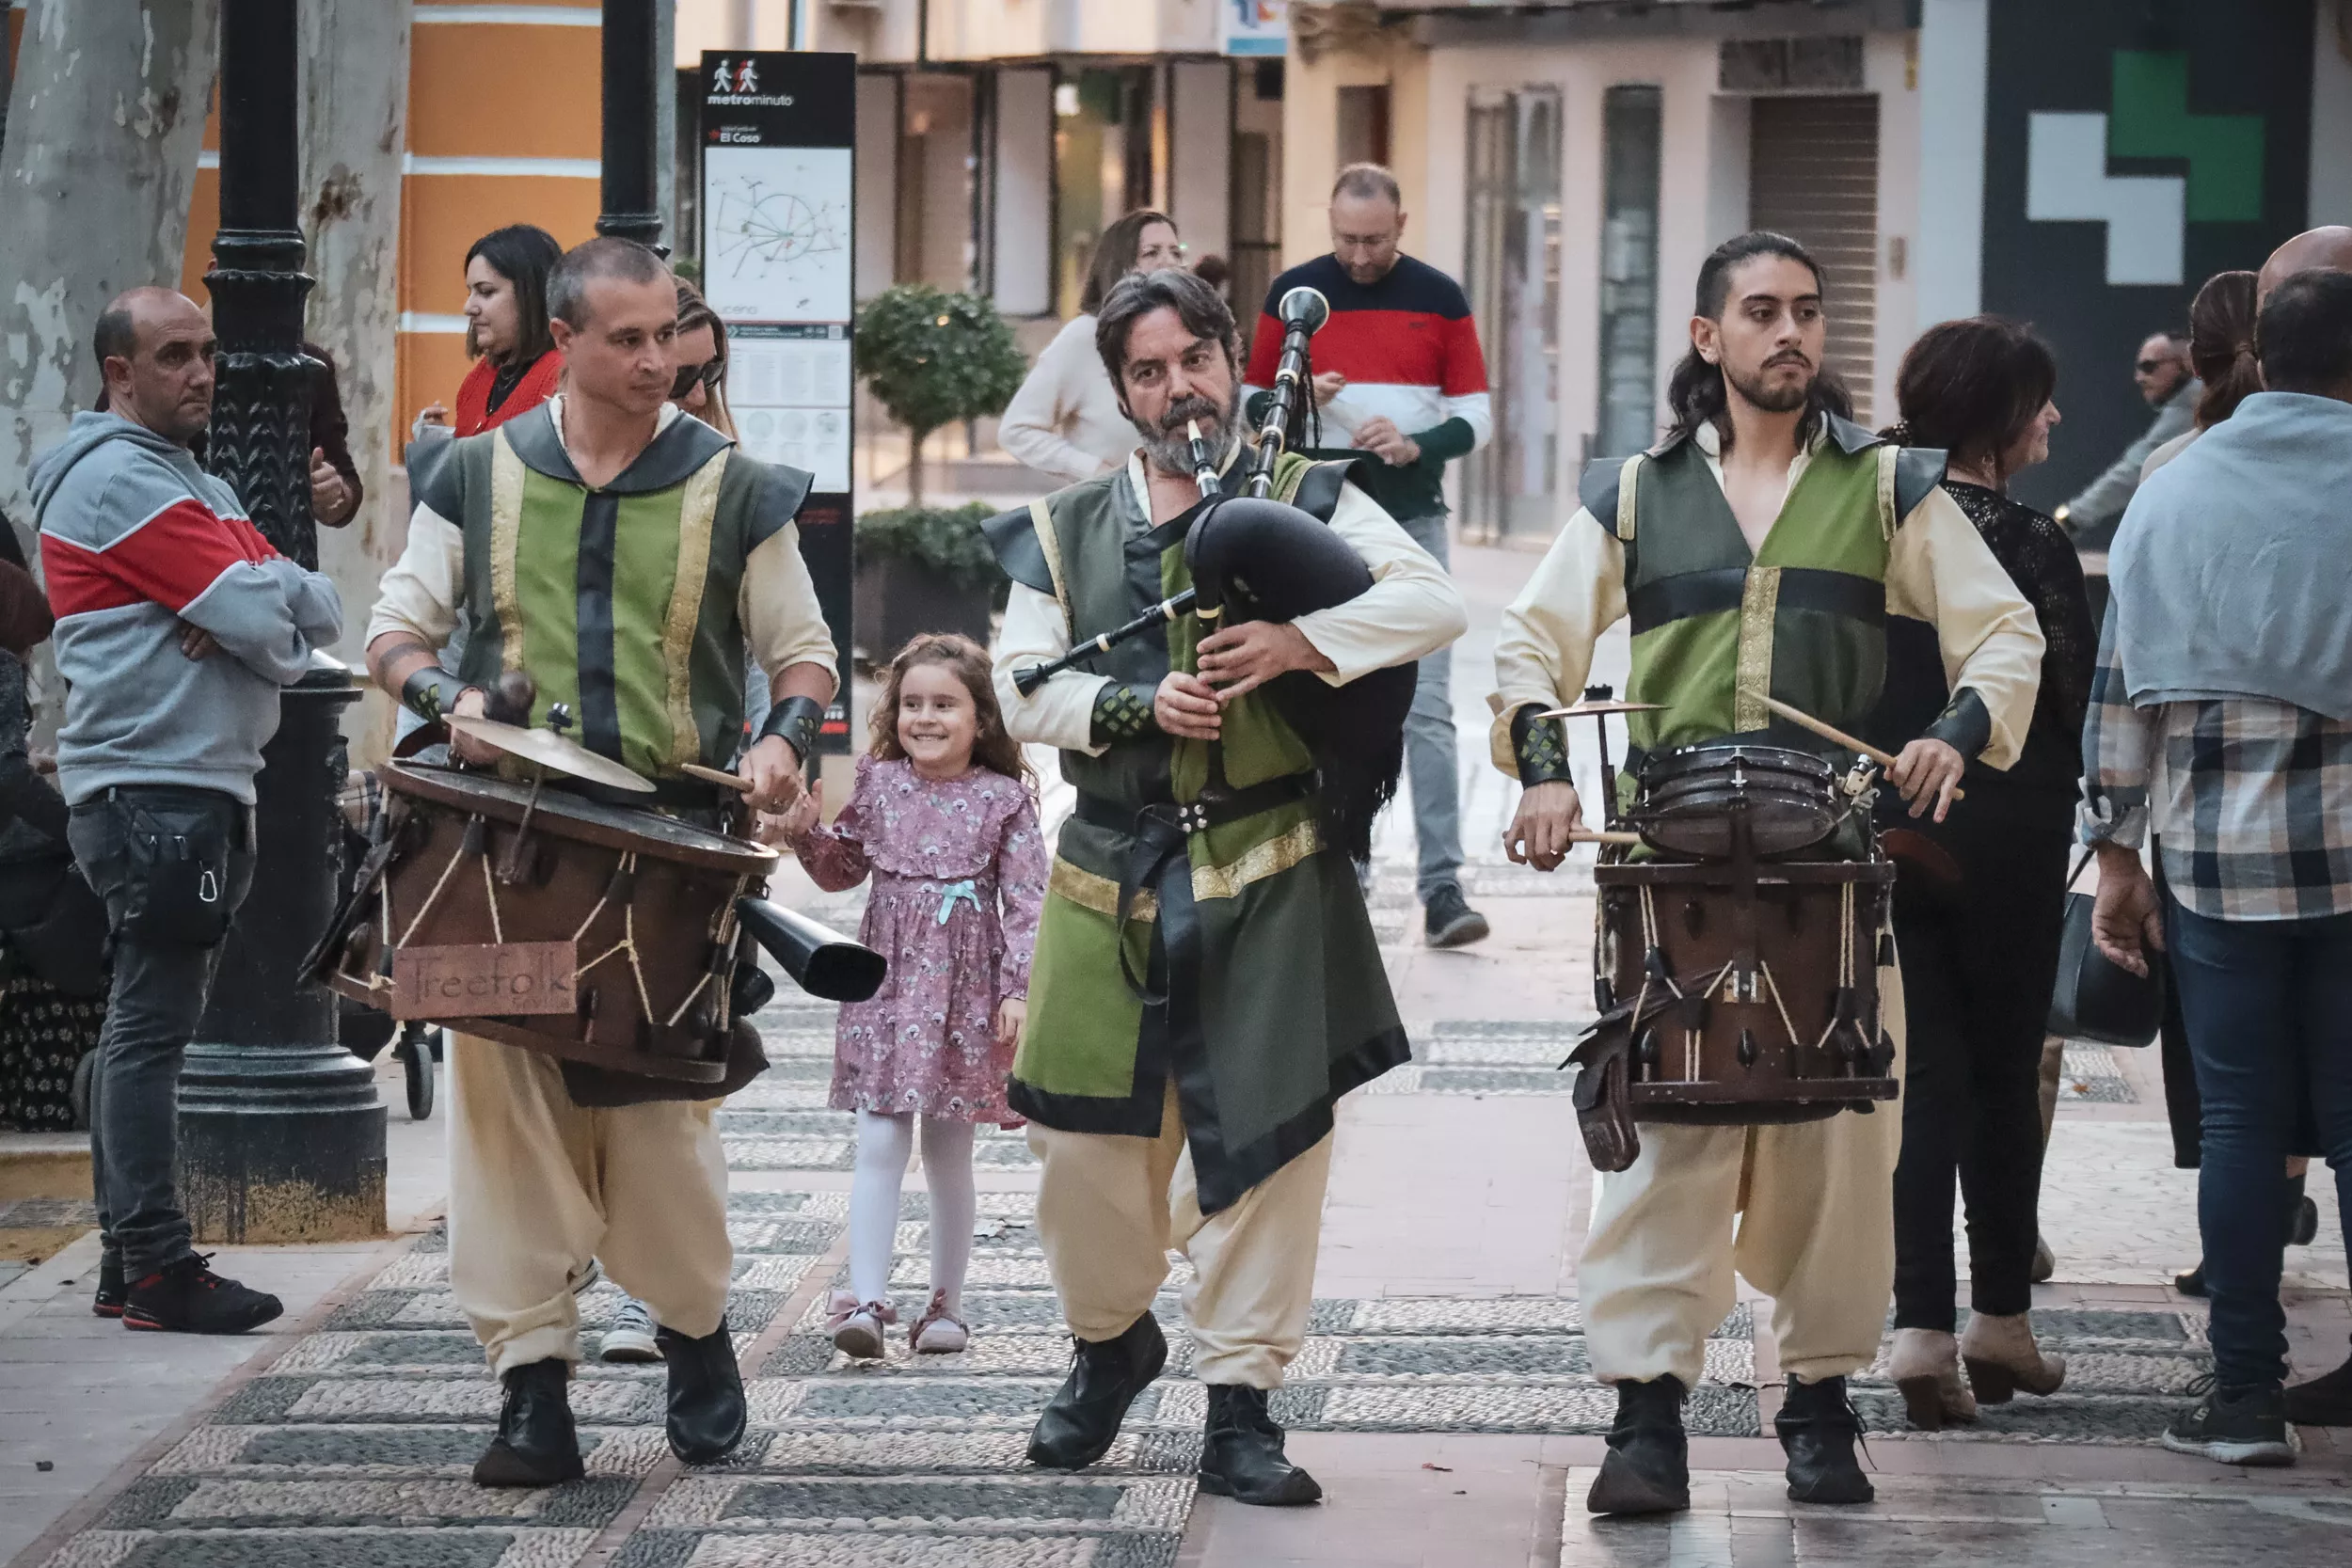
2127,1374
424,1547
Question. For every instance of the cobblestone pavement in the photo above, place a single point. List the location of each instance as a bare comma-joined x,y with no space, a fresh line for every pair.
1443,1396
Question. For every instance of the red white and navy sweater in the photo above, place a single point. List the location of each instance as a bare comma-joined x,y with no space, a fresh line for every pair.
1409,350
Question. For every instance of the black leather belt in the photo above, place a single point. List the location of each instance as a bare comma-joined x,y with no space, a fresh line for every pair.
1195,816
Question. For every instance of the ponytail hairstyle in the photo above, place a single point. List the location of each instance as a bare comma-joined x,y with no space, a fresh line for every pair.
993,747
1973,388
1695,393
2221,345
523,254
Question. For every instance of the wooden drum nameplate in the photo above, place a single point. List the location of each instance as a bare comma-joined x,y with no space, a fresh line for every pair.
606,934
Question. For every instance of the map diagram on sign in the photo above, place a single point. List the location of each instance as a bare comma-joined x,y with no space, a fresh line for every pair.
776,233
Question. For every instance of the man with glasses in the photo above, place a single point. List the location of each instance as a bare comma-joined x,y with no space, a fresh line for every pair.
2164,377
1399,379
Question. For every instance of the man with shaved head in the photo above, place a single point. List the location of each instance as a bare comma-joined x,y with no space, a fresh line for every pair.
2324,249
177,626
2161,372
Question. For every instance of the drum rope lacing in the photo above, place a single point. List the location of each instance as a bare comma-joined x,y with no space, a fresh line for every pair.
1692,1039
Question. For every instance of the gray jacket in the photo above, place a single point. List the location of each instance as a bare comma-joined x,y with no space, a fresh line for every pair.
2093,516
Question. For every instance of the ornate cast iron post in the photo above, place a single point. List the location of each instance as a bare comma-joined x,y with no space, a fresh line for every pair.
630,68
281,1132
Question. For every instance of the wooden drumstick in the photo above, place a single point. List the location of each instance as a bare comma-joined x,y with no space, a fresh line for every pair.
1832,733
1588,835
713,775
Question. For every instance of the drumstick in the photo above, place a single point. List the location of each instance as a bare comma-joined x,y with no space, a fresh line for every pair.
713,775
1832,733
1588,835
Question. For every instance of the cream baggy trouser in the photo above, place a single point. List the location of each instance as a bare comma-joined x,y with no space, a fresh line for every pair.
1814,1208
1109,1210
539,1185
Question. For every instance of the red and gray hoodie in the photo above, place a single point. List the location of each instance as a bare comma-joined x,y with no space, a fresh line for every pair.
136,542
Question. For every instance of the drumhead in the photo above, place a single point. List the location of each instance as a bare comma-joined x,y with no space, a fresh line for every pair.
565,814
1688,796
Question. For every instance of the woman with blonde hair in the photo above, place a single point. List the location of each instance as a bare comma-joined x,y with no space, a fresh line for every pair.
700,353
1065,420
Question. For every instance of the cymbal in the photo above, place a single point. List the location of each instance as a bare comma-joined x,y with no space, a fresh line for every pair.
550,750
1591,709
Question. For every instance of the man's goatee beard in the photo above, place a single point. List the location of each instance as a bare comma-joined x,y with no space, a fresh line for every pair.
1773,400
1167,447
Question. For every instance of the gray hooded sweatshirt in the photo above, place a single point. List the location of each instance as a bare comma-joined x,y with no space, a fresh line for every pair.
136,541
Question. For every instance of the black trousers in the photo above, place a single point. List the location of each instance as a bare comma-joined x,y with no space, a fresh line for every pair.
1978,963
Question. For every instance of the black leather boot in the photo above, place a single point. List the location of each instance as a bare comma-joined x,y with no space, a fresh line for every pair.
706,1414
1648,1469
1081,1421
1241,1456
1818,1428
536,1445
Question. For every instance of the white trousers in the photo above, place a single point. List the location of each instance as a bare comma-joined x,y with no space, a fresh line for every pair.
1806,1212
539,1185
1109,1210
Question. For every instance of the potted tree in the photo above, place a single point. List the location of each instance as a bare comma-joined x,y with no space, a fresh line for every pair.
930,358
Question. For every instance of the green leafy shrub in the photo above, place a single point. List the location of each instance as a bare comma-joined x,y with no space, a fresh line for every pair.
946,540
934,359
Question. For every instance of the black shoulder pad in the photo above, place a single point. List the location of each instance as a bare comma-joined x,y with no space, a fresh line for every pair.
1598,490
1918,470
436,477
782,491
1318,492
1013,536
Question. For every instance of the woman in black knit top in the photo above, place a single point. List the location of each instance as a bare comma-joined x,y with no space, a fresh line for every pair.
1980,942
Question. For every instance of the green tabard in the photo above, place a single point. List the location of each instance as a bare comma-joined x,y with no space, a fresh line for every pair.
1277,1003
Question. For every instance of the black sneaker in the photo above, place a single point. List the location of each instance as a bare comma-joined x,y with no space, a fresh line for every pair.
186,1297
2191,1283
1448,921
2242,1425
2303,1224
106,1301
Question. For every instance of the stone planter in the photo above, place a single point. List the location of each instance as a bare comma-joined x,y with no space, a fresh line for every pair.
896,599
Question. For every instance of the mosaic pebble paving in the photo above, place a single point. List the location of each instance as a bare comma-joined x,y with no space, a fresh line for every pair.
2127,1374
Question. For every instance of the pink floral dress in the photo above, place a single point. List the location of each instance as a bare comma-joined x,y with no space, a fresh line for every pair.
946,855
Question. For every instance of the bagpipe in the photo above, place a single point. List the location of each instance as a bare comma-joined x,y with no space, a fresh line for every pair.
1252,557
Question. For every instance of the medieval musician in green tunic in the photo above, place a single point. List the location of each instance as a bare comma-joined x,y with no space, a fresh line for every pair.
1207,983
623,555
1768,547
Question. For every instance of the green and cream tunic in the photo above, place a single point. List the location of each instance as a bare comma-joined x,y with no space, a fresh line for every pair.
631,604
1267,997
1865,541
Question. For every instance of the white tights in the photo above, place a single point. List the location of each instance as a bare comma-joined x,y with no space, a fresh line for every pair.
883,1143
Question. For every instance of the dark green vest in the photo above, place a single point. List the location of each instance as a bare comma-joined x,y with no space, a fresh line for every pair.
620,603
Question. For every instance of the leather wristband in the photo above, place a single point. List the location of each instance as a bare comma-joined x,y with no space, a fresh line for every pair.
1123,711
797,720
1964,725
1540,746
433,692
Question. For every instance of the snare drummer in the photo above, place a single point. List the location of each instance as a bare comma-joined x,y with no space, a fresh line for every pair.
1768,546
620,554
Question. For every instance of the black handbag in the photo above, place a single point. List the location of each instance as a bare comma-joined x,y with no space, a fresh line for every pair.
2096,999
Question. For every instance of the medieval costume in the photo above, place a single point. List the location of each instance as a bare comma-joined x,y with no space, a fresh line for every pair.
632,604
1207,983
1864,535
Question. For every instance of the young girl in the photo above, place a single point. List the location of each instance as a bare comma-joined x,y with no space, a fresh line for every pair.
944,821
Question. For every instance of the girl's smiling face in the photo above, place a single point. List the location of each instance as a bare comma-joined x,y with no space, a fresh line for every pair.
938,724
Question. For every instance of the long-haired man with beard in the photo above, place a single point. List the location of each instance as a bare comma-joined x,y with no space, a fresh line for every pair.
1192,1109
1767,547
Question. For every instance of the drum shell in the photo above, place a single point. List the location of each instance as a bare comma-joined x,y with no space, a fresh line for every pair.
684,884
1687,798
1797,925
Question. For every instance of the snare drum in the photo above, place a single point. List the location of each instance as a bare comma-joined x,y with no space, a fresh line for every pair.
1689,798
544,920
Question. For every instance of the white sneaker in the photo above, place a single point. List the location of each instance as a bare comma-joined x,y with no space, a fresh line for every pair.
631,1336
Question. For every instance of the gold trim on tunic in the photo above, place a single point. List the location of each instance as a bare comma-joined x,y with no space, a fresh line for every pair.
1270,858
1888,522
506,525
1049,545
1099,894
1759,604
1628,482
697,510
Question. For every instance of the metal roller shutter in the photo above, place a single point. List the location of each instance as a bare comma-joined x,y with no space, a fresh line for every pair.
1813,174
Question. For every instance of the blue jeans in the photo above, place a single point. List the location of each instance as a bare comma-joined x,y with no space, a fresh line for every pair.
2268,1006
1429,753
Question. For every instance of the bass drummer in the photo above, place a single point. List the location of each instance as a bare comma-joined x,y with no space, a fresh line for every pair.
1767,547
1199,1116
620,554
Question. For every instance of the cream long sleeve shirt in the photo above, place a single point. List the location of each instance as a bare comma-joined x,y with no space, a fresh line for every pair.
1065,419
424,589
1939,570
1412,608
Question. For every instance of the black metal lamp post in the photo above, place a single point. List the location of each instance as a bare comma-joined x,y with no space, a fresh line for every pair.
281,1132
630,75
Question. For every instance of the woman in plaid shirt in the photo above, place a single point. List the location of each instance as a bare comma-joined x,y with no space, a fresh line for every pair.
2229,645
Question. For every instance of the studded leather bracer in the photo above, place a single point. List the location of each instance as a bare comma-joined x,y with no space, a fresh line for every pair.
1541,746
431,691
797,720
1123,711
